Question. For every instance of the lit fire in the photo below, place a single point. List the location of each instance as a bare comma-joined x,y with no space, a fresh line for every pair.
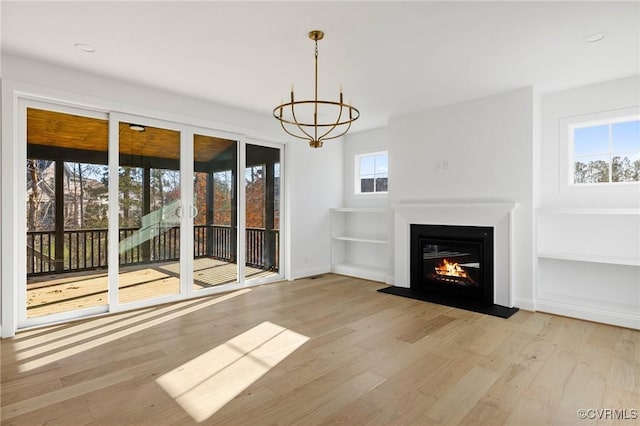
451,269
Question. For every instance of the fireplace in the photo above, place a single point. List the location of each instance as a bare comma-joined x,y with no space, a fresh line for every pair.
419,242
452,262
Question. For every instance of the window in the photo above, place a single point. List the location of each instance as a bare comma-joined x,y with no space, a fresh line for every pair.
372,173
605,151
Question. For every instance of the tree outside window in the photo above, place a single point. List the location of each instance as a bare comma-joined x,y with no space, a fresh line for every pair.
607,152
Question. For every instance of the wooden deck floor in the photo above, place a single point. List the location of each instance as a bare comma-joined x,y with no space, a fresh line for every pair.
67,292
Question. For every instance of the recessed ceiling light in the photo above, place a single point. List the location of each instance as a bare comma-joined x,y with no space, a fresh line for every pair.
594,38
85,47
136,127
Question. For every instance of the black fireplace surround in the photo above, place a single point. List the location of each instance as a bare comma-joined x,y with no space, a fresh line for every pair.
453,261
453,266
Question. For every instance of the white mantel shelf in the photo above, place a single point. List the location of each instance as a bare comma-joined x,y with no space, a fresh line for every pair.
503,205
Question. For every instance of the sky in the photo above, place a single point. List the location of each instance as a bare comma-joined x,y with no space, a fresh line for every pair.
594,140
371,165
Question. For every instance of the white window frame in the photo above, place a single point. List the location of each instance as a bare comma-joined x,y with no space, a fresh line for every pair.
356,176
566,155
593,123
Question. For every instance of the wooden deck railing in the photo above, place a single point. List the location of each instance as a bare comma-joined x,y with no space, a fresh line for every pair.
86,249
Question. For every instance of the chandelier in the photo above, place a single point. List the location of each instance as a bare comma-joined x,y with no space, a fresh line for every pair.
315,131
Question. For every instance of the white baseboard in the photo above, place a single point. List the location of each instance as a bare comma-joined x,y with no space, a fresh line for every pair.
589,314
311,272
525,304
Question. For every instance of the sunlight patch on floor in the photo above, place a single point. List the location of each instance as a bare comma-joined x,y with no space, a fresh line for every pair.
205,384
48,334
77,343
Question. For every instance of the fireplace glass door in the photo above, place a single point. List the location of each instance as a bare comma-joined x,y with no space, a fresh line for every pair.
451,263
456,261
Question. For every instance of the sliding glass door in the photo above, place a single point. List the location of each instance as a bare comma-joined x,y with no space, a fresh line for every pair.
125,211
149,210
215,212
262,206
66,212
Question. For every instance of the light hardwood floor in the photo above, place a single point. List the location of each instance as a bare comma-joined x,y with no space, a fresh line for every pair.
329,350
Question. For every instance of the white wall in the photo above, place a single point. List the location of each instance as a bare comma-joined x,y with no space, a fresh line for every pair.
480,150
1,197
97,90
315,187
555,107
360,143
313,178
486,141
588,236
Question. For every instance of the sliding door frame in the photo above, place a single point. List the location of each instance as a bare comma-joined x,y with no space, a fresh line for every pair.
15,100
283,216
240,211
186,191
20,199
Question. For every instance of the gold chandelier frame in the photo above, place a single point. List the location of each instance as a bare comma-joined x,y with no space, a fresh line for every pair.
316,132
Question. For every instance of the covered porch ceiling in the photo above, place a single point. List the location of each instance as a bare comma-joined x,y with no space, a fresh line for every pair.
61,130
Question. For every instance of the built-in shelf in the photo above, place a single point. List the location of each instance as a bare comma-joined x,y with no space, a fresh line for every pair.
359,242
594,235
580,211
373,273
577,257
359,210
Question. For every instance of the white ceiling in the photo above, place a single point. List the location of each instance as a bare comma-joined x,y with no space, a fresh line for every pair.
390,57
